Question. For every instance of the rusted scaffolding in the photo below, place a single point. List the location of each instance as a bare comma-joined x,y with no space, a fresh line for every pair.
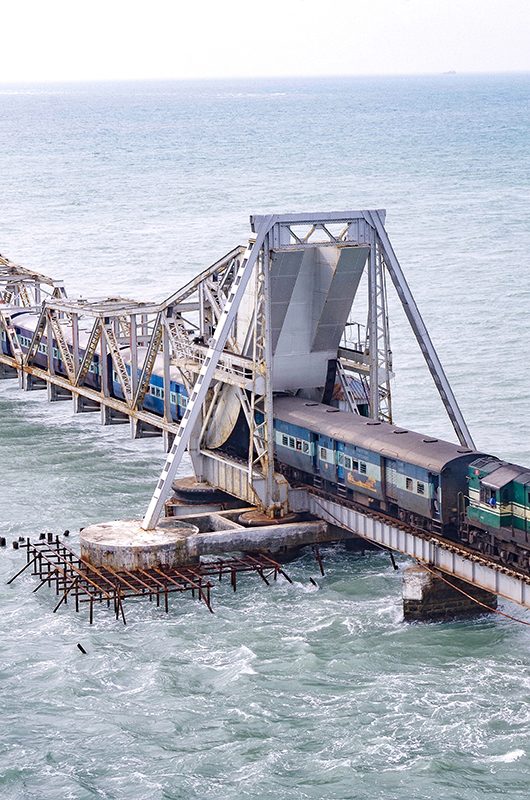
57,566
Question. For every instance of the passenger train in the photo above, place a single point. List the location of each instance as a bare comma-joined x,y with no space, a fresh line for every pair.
428,483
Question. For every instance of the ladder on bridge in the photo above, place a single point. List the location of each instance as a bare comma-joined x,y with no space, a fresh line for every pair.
346,388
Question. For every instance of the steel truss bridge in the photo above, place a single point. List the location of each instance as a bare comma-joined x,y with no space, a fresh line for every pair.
270,316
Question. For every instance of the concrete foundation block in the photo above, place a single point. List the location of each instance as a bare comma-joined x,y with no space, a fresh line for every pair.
124,545
168,439
31,382
427,597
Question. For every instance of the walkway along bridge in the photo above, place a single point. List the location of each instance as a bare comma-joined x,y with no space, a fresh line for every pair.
301,310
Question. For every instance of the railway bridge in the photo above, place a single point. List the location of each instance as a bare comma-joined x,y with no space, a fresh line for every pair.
299,311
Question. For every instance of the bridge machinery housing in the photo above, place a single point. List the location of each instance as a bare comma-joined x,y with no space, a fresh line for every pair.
273,369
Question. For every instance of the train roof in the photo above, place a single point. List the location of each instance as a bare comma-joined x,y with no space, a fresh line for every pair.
497,473
381,437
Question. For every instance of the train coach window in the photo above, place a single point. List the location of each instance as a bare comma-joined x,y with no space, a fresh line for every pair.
362,468
420,487
305,447
409,484
323,454
291,442
298,444
285,440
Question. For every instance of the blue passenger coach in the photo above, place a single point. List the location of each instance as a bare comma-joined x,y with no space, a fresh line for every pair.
406,474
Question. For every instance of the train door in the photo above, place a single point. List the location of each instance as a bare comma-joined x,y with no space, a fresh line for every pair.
391,478
314,451
434,481
526,508
341,477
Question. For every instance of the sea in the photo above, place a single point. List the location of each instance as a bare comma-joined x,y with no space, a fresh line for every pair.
288,692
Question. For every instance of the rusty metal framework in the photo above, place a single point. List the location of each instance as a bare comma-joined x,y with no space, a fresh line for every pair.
73,578
22,287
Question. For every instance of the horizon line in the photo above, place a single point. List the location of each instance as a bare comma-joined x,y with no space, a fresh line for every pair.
451,73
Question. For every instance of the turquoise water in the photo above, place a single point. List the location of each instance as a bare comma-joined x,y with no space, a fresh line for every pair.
291,692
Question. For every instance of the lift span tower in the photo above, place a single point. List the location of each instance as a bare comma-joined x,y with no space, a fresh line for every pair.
299,312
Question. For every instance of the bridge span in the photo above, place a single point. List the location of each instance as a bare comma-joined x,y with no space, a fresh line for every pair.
300,311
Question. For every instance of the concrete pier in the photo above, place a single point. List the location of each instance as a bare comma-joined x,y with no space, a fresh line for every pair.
428,597
83,405
31,382
123,544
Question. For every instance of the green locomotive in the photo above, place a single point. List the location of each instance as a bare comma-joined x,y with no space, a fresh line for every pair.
497,517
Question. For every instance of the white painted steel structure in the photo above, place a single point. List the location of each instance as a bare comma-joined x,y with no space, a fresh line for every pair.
269,317
307,268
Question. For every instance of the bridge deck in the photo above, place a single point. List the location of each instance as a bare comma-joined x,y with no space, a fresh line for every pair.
435,551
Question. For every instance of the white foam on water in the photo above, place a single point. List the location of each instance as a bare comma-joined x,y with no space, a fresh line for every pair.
507,758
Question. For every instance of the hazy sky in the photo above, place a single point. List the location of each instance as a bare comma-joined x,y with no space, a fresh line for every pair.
105,39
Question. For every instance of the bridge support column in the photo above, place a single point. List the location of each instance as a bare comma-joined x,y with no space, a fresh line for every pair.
428,596
56,393
7,372
143,430
84,404
168,439
31,382
109,416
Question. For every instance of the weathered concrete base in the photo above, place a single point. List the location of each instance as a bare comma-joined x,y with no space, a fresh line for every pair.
124,544
427,597
31,382
110,416
168,438
143,430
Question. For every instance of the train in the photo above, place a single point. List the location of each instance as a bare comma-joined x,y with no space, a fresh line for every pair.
430,484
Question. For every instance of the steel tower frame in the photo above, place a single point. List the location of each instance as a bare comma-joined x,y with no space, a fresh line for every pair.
274,234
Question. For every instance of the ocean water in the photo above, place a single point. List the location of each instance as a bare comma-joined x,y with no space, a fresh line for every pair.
291,692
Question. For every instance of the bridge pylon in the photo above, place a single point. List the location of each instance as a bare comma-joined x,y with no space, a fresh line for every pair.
277,317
